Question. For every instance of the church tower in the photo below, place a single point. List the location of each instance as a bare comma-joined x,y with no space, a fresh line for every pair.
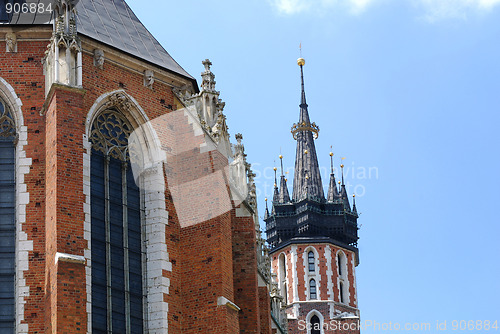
313,240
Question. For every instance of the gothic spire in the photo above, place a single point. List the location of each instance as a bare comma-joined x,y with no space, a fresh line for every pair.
306,161
333,192
266,213
276,192
284,197
343,192
354,210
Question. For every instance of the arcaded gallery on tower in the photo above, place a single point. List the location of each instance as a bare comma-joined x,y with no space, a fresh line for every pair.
126,206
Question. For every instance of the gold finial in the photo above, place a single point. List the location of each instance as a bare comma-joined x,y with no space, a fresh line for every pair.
338,182
342,166
307,177
275,169
301,61
286,180
281,157
331,154
265,199
353,195
306,151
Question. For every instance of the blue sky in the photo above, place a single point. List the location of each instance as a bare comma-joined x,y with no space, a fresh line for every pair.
408,88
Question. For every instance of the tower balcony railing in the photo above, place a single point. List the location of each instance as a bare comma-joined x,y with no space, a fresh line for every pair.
310,208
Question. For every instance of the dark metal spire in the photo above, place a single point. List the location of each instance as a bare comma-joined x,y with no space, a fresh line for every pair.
276,192
354,210
343,192
333,192
266,213
306,161
284,197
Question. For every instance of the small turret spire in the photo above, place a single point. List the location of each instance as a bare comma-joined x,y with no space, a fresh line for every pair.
284,197
333,192
354,210
342,167
331,159
343,191
266,213
276,192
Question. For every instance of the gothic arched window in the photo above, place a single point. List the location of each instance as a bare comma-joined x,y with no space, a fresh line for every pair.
312,289
116,233
315,325
7,219
339,259
341,291
310,259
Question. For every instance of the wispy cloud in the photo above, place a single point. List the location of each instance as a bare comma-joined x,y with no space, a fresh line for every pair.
291,7
434,10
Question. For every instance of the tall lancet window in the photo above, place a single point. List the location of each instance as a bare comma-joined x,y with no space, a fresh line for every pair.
310,259
315,325
116,243
312,289
7,219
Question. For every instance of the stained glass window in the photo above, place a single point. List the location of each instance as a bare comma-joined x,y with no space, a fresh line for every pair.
7,220
117,265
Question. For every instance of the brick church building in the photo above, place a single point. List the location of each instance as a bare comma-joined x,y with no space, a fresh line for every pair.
125,205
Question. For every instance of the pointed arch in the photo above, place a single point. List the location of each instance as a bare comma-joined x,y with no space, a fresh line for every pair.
147,165
22,244
310,319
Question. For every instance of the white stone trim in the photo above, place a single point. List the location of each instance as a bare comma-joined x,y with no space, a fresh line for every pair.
23,245
224,301
344,278
321,320
353,267
154,220
295,279
308,276
329,272
285,289
64,257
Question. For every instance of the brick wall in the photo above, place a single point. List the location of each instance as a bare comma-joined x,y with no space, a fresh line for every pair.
326,276
211,259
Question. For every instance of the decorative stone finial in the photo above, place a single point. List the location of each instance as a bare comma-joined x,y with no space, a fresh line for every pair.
11,42
207,63
208,83
99,58
149,78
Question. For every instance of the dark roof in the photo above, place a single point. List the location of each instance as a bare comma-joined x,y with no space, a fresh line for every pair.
307,177
112,22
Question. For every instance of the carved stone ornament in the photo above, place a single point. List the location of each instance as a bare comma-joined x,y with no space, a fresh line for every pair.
237,169
149,79
119,101
110,133
99,58
11,42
